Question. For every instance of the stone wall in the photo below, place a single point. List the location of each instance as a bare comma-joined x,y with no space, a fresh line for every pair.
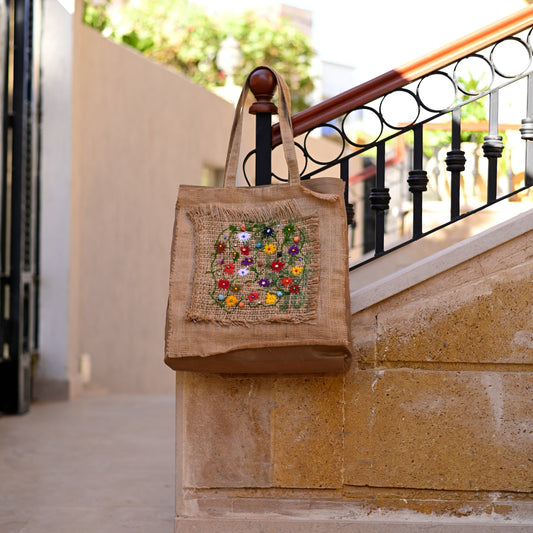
432,422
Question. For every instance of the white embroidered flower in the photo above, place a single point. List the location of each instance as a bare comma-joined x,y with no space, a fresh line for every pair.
243,271
243,236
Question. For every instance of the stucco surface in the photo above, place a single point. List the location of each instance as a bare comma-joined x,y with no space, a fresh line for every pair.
139,130
137,136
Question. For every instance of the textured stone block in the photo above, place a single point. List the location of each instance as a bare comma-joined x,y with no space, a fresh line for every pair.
363,327
439,430
227,431
275,525
489,322
507,256
307,431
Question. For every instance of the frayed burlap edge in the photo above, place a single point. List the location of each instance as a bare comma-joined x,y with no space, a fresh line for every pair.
219,213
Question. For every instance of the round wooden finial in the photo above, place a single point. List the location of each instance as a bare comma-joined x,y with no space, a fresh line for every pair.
263,85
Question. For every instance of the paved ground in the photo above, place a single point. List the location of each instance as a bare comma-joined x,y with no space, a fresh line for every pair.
100,464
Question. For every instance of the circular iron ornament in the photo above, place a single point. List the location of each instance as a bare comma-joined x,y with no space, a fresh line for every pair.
362,108
406,124
529,38
427,77
455,77
510,39
317,161
250,154
302,170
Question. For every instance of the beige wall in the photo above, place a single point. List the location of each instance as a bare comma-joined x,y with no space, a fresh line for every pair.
139,130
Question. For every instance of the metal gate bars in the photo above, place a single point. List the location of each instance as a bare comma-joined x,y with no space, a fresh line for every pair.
19,206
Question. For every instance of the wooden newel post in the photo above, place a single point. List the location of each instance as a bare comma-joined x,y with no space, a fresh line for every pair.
263,85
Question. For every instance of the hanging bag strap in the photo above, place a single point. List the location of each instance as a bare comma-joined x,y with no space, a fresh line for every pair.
287,137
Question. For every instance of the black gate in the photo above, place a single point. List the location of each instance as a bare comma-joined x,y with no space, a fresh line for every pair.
19,205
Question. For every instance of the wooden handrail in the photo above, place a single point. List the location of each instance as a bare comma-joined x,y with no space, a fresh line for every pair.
394,79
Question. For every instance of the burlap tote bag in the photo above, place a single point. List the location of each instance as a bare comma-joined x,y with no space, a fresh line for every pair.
259,275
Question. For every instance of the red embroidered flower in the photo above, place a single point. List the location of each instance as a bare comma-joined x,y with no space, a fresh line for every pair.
245,250
277,265
220,246
294,289
229,268
223,284
286,282
253,296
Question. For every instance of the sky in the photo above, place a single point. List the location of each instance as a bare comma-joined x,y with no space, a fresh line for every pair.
379,35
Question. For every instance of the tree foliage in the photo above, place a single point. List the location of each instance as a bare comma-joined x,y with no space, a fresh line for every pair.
182,35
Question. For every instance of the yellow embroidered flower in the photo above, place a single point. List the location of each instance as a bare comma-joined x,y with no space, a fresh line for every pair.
297,270
231,301
269,248
270,298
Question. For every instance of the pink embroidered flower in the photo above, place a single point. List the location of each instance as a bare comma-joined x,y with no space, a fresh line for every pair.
223,284
277,265
286,282
229,268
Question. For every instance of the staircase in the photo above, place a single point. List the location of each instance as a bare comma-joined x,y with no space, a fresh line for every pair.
431,427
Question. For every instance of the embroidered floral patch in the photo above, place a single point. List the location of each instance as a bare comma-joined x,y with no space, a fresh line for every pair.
254,271
259,275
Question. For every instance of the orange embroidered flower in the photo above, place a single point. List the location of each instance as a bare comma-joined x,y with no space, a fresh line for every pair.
231,301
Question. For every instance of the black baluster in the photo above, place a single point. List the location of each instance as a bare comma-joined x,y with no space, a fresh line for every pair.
345,176
380,198
417,179
263,85
455,163
493,148
526,131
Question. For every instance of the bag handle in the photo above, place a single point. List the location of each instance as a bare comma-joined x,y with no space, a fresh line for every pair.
287,137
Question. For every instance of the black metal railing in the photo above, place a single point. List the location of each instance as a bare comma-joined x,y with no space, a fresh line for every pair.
472,84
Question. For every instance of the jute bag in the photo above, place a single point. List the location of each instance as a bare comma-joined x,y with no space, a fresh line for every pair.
259,275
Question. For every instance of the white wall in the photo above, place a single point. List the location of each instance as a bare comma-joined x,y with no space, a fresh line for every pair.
56,55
